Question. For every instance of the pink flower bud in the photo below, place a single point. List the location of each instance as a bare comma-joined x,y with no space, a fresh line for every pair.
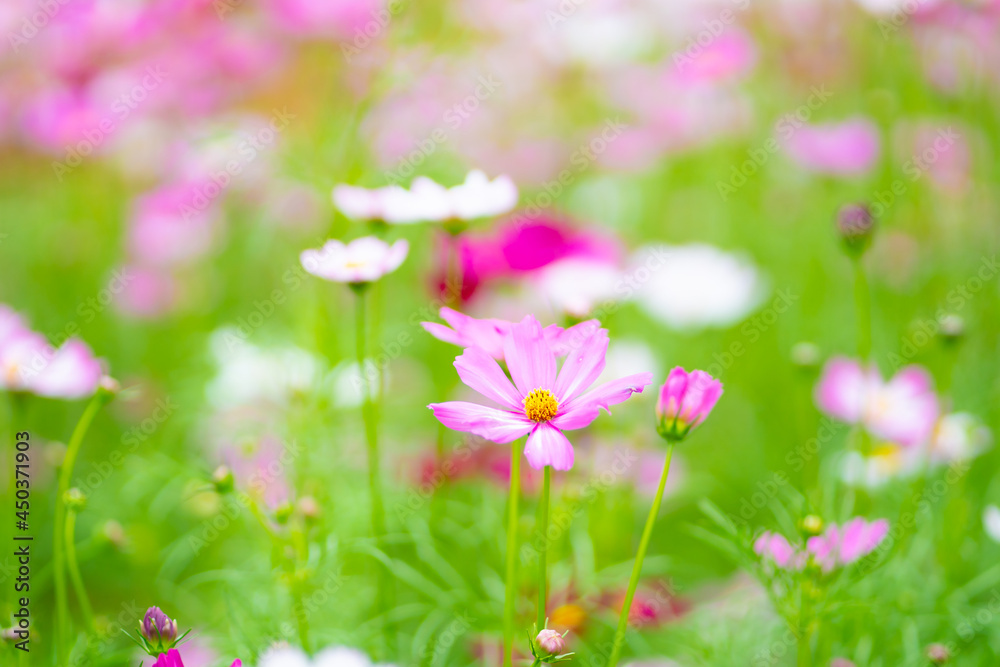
551,642
686,399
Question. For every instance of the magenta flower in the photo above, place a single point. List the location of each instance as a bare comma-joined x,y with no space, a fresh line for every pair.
488,334
172,658
686,399
361,261
540,401
903,410
849,148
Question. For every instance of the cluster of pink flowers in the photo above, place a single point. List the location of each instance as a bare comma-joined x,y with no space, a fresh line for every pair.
29,363
836,547
540,402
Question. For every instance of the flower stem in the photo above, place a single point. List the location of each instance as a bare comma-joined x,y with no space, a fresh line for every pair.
371,437
59,529
863,309
511,589
637,567
543,528
74,571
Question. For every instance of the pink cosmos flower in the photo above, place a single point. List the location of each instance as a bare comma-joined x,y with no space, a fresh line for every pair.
150,294
173,224
776,547
28,363
849,148
360,261
488,334
903,410
843,545
540,402
686,400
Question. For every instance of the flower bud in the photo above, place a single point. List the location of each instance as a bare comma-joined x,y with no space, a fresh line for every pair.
283,512
309,508
551,642
158,628
685,401
222,478
855,224
938,654
952,326
74,499
805,354
812,525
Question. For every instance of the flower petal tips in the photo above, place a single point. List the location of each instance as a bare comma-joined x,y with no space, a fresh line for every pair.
361,261
685,401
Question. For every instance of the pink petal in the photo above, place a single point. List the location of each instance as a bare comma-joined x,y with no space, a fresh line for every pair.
481,372
529,359
576,417
703,392
841,390
582,367
500,426
547,446
72,372
611,393
562,341
907,408
443,333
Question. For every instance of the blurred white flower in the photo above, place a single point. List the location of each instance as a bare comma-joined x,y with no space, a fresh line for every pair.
577,286
360,261
883,464
427,201
348,383
698,286
250,374
958,436
991,521
628,356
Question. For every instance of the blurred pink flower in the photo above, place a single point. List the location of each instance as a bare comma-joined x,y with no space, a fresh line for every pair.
848,148
903,410
28,363
148,294
173,224
489,334
330,18
362,260
263,470
730,55
843,545
539,401
61,120
776,547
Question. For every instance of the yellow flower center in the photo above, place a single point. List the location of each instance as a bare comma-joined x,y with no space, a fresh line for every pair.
540,405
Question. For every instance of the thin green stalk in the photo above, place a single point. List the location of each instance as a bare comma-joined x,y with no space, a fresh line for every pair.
369,416
74,571
543,528
511,589
637,567
59,528
863,309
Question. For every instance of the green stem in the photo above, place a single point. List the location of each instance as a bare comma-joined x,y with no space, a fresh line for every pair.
59,529
369,416
640,555
74,571
543,528
863,308
512,517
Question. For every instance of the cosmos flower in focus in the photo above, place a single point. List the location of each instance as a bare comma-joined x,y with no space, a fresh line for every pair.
849,148
696,286
427,201
28,363
539,401
172,658
903,410
488,334
361,261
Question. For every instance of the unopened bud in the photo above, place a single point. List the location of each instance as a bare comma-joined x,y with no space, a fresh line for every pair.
812,525
938,654
855,225
805,354
75,499
309,508
222,478
952,326
158,628
551,642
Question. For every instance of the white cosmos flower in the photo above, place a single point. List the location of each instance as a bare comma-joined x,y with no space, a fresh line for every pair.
576,286
697,286
335,656
427,201
360,261
249,374
991,521
958,436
